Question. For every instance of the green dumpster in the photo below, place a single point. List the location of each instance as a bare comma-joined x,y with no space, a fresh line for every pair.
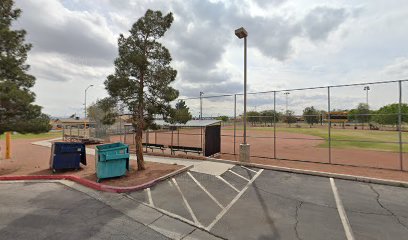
112,160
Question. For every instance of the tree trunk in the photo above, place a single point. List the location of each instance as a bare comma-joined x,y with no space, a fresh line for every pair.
139,148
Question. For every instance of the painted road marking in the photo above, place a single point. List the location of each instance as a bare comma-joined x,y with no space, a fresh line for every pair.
249,169
246,179
163,211
225,210
186,203
342,212
229,184
149,196
205,190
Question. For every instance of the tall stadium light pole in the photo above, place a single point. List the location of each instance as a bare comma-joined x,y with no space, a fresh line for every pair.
286,94
244,151
201,105
86,89
286,113
367,88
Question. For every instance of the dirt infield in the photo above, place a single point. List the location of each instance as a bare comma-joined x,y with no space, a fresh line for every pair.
289,146
29,159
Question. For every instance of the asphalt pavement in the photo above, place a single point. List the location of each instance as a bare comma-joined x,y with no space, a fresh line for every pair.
241,203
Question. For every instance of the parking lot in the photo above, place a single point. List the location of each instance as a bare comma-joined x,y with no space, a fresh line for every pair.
241,203
250,203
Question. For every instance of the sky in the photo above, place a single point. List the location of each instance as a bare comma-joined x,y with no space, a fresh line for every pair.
291,44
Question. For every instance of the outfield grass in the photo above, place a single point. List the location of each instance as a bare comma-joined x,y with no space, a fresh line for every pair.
349,138
33,136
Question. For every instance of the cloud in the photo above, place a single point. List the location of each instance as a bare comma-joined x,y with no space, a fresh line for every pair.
75,43
398,69
321,21
265,4
52,28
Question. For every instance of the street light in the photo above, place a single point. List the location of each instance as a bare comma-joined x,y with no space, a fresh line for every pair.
367,88
201,105
86,89
244,148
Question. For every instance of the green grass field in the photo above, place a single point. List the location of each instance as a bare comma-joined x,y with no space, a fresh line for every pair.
348,138
33,136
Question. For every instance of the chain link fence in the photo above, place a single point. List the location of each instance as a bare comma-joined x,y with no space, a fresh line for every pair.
363,124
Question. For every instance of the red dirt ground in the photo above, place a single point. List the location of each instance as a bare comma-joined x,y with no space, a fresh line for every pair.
301,151
289,146
29,159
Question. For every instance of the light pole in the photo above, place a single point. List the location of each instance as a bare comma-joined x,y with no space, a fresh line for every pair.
244,150
286,94
86,89
287,114
201,105
367,88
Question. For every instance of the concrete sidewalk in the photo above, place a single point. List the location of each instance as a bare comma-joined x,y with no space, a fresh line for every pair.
201,166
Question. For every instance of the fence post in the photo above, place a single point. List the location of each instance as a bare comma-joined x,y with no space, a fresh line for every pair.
171,141
274,124
235,119
120,128
399,125
147,138
124,134
329,121
63,132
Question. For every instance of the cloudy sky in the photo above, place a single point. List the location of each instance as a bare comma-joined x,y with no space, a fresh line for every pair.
291,44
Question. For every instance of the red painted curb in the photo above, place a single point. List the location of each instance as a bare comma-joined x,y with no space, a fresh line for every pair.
91,184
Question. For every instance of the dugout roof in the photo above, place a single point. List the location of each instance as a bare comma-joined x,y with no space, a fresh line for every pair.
191,123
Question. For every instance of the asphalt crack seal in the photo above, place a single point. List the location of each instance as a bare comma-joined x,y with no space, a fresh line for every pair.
386,209
298,206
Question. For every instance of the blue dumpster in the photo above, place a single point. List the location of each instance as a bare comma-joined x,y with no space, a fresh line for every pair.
67,156
112,160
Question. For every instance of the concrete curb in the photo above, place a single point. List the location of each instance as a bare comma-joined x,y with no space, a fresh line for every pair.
317,173
94,185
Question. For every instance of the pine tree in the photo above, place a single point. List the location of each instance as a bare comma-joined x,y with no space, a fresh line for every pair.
181,113
143,74
17,113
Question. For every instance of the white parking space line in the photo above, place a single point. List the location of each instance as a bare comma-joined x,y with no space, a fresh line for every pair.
229,184
164,211
239,175
205,190
186,203
149,196
342,212
225,210
249,169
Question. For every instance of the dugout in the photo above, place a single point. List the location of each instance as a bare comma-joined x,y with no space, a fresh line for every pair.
209,135
202,137
79,130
